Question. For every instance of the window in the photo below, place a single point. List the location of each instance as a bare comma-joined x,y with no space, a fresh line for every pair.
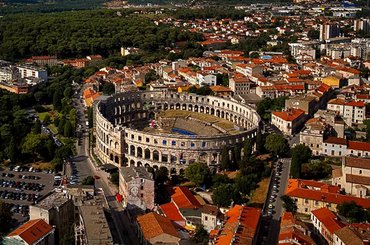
192,144
142,195
173,142
206,218
306,201
360,172
164,142
139,138
141,187
147,140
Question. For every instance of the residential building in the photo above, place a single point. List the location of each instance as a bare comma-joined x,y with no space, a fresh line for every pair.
57,210
308,103
240,227
338,147
352,112
249,70
332,81
221,91
311,195
89,96
361,25
293,231
26,71
136,185
240,84
33,232
328,31
153,228
326,223
44,60
206,79
353,176
92,226
211,217
288,121
353,234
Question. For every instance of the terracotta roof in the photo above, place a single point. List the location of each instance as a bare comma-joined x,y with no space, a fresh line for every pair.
357,145
219,88
350,235
355,162
326,193
289,115
153,225
170,211
240,227
328,219
335,140
363,96
183,198
32,230
358,179
210,209
347,103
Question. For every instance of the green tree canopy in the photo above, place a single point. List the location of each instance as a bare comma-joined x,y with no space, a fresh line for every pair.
289,204
300,154
89,180
198,173
277,145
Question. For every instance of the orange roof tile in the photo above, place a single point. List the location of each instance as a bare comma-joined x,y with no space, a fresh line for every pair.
153,225
298,188
289,115
357,145
183,198
219,88
32,230
170,211
328,219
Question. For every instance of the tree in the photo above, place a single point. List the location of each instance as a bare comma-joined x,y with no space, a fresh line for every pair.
313,34
47,119
225,159
68,129
201,236
289,204
161,175
108,88
5,218
254,55
247,148
219,179
260,144
316,169
198,173
61,125
114,178
37,127
222,195
33,144
89,180
277,145
353,212
300,154
57,100
68,92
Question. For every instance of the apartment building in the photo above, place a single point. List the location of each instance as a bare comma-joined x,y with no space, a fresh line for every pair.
352,112
311,195
57,210
293,231
136,185
338,147
353,234
288,121
33,232
325,223
249,70
240,84
33,71
353,176
328,31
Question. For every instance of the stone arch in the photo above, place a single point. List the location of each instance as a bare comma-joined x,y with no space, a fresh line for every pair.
173,171
196,108
182,171
146,165
156,155
116,159
147,153
132,150
190,107
223,114
178,106
173,158
139,152
111,157
116,145
201,109
218,114
139,164
155,167
132,163
183,107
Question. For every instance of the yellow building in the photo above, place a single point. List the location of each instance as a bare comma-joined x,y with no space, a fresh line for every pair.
332,81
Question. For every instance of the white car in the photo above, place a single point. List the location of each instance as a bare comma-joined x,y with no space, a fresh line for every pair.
271,206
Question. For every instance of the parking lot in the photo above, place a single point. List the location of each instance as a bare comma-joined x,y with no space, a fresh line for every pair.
19,188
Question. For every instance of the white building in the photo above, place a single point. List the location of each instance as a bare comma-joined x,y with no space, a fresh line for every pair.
352,112
206,79
33,71
361,25
249,69
328,31
288,121
354,176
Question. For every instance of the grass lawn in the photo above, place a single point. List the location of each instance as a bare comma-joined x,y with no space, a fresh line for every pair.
259,194
42,165
53,128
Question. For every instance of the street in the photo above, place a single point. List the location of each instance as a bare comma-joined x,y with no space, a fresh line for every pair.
273,208
124,232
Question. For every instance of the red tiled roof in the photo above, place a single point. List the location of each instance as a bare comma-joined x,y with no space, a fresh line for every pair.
290,115
298,188
32,231
170,211
335,140
153,225
356,103
240,227
328,219
363,96
219,88
356,162
357,145
183,198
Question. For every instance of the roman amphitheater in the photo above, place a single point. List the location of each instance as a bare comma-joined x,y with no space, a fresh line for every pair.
169,129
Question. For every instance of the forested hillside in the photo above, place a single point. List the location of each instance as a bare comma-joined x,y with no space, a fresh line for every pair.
73,34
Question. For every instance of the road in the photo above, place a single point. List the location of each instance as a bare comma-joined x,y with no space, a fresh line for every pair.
271,222
124,232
